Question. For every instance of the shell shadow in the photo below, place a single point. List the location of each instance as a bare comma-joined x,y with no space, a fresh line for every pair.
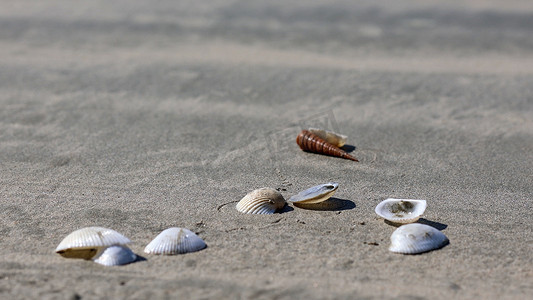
139,258
437,225
285,209
332,204
348,148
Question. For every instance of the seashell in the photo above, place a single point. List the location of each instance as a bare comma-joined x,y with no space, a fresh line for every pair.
175,241
416,238
311,142
401,211
115,256
261,201
88,242
329,136
314,195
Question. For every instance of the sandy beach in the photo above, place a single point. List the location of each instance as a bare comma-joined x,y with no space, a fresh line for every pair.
140,116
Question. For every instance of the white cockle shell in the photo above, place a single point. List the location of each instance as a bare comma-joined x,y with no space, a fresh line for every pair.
261,201
115,256
89,241
329,136
416,238
316,194
401,211
175,241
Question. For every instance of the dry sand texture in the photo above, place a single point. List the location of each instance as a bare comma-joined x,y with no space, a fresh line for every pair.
142,115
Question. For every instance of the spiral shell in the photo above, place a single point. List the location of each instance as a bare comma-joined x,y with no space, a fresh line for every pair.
175,240
311,142
416,238
401,211
88,242
115,256
329,136
261,201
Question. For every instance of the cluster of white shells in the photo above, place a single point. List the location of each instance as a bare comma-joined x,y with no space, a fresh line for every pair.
108,247
410,237
407,239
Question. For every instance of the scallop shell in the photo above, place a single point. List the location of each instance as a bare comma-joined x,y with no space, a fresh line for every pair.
311,142
115,256
316,194
261,201
175,241
87,242
416,238
329,136
401,211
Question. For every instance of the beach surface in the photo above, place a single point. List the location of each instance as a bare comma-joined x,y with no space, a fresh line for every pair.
140,116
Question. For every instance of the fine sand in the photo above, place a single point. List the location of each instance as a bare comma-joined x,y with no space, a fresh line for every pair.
144,115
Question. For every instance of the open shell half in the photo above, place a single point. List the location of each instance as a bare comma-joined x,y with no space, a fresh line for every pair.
315,194
401,211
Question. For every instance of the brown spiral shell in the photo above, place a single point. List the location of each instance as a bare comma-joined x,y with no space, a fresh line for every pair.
309,141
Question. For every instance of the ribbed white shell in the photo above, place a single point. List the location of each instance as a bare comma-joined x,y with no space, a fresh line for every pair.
329,136
315,194
401,211
115,256
416,238
75,244
175,241
261,201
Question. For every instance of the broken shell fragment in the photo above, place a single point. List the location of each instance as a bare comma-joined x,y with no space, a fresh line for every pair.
87,242
416,238
115,256
175,241
401,211
311,142
315,194
329,136
261,201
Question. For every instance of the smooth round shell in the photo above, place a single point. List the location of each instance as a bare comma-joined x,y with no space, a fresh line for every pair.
87,242
401,211
175,241
331,137
261,201
416,238
115,256
315,194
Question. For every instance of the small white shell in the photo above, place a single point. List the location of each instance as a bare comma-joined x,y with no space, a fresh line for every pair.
416,238
115,256
261,201
316,194
87,242
401,211
175,241
329,136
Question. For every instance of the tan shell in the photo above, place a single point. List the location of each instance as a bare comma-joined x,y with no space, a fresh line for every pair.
331,137
261,201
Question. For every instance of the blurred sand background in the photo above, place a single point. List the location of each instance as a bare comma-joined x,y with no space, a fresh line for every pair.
143,115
